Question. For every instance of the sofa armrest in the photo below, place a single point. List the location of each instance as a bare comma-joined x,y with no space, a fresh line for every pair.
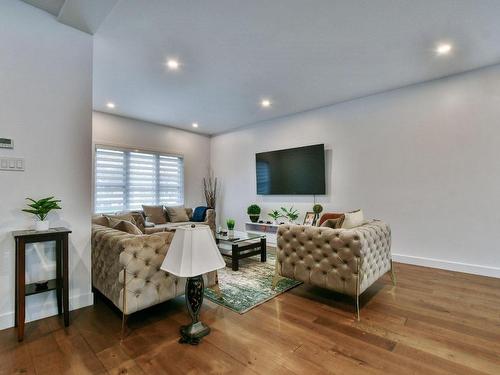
376,254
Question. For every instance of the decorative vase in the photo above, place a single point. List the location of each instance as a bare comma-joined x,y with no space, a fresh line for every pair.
41,225
254,218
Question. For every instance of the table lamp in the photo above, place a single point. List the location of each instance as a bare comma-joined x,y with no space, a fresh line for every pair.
191,254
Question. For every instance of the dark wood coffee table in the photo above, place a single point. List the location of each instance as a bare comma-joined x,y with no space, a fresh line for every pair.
241,245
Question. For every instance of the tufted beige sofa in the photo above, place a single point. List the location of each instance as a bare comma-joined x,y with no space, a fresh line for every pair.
347,261
119,259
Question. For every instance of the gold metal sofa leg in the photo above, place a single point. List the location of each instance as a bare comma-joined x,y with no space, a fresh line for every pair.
393,275
358,318
124,316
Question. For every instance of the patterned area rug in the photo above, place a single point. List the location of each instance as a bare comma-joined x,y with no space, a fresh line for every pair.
250,286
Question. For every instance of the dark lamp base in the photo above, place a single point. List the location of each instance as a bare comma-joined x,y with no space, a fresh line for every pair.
194,332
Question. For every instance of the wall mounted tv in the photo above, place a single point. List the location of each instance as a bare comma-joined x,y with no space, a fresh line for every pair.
294,171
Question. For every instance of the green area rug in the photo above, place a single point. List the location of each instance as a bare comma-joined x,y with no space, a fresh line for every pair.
250,286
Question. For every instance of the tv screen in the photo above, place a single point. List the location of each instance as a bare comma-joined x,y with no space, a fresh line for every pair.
292,171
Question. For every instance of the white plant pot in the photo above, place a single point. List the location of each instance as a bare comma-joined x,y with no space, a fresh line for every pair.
41,225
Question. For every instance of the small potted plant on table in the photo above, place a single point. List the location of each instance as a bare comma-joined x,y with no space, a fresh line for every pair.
230,226
253,212
41,209
275,215
292,214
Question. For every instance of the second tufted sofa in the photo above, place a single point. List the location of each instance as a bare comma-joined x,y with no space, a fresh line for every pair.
126,269
347,261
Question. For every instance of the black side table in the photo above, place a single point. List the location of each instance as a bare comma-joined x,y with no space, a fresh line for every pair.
60,283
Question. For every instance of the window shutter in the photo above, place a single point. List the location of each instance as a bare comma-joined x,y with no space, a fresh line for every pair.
125,180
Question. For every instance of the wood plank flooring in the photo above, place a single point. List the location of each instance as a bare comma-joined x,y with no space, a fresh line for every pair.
432,322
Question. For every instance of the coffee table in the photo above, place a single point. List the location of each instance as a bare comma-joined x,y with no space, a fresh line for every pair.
241,245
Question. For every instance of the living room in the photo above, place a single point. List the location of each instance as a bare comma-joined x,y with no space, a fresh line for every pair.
378,256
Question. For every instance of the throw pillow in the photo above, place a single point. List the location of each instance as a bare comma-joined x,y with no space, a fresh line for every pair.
177,214
154,214
332,223
128,227
100,220
353,219
125,216
199,214
328,215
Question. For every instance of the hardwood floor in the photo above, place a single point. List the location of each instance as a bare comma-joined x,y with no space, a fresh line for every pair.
432,322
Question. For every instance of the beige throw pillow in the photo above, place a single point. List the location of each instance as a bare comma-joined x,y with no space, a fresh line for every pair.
128,227
114,219
154,214
353,219
177,214
100,220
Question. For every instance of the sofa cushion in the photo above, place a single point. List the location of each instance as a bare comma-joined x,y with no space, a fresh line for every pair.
199,214
128,227
353,219
177,214
155,214
328,215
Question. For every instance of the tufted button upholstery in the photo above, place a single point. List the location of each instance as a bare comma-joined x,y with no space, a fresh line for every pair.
115,252
330,258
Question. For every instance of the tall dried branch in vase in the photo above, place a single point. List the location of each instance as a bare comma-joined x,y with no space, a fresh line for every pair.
210,190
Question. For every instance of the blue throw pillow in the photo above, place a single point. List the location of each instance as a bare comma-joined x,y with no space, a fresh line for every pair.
199,214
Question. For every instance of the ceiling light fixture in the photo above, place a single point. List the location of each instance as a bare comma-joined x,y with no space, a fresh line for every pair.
443,49
110,105
173,64
195,124
265,103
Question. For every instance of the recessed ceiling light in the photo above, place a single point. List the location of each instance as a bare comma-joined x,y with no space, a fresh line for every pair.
110,105
444,48
173,64
195,124
265,103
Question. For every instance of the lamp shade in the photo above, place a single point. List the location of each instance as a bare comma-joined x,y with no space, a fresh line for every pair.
193,252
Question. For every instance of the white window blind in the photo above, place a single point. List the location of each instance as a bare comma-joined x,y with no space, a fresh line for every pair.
125,180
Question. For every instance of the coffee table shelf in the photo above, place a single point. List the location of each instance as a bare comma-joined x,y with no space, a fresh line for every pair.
242,245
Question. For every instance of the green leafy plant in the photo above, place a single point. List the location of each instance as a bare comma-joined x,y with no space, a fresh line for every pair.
275,214
42,207
317,209
230,224
290,213
253,210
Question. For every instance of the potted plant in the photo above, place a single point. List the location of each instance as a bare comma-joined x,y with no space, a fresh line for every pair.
317,209
275,215
253,212
230,225
41,209
291,214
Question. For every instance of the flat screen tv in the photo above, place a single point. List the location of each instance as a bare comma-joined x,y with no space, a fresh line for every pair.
294,171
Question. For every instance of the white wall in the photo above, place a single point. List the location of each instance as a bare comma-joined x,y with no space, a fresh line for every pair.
46,101
423,158
130,133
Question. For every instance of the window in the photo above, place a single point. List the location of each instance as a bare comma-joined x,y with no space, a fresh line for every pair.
125,179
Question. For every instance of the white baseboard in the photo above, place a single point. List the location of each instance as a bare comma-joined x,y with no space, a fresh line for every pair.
475,269
44,311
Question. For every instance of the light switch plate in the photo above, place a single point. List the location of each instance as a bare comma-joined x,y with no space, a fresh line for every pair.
12,164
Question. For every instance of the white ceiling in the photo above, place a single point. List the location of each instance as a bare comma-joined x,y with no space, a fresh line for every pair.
300,54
